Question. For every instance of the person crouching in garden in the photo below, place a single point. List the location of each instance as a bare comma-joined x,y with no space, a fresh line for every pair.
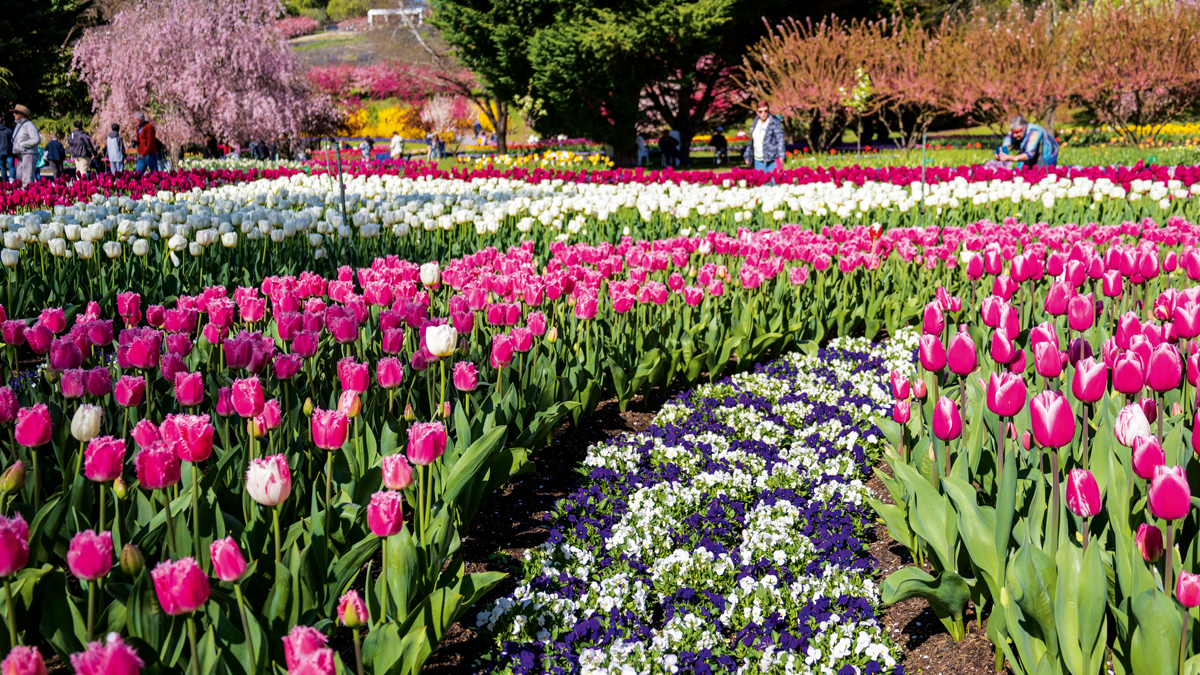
1034,147
766,149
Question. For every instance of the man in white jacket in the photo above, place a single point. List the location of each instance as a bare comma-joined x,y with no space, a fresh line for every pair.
114,145
26,140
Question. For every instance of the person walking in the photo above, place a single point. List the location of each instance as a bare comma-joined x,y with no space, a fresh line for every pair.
365,148
720,146
55,155
396,147
8,171
79,145
766,148
115,147
26,144
147,144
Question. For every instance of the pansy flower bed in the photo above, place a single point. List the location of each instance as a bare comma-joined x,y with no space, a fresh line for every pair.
728,537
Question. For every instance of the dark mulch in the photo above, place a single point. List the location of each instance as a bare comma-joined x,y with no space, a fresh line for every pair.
511,522
928,648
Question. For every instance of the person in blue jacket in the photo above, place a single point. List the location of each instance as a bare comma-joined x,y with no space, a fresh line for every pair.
1028,144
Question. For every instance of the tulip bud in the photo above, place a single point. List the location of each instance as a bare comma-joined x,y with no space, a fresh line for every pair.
920,390
13,478
1150,542
409,415
1187,589
119,488
132,561
351,610
349,404
308,407
254,429
552,335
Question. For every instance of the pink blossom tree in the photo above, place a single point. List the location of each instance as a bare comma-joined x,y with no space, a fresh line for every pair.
197,67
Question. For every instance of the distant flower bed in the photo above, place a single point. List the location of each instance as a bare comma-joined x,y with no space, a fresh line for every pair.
295,26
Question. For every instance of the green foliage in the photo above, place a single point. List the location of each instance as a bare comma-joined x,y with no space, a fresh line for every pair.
340,10
35,39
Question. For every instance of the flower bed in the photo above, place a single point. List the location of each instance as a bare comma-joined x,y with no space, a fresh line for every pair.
729,535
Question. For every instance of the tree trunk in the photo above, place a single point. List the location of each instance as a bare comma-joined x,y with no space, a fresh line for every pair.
501,127
1048,117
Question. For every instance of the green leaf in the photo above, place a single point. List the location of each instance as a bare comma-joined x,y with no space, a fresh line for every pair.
947,594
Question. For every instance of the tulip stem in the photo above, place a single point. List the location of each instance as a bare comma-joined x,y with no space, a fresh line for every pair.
1085,534
101,489
1086,412
1000,432
1168,551
1056,503
37,481
357,651
245,626
12,614
1187,618
328,491
383,596
170,526
278,548
91,609
196,514
191,624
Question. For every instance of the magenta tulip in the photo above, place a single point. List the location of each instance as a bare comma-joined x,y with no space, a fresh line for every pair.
961,356
1083,495
502,350
397,472
385,516
28,661
227,561
1089,380
1057,298
1147,455
465,377
287,366
191,436
104,459
189,388
1081,312
1187,590
1006,394
157,466
932,353
947,424
33,426
901,412
353,376
302,644
1052,420
389,373
1170,496
934,320
9,406
329,429
1165,370
112,657
1129,373
129,391
248,399
1002,347
14,545
90,555
180,585
1149,541
1047,360
426,442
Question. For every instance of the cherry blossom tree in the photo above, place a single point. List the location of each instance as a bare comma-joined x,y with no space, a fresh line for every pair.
197,67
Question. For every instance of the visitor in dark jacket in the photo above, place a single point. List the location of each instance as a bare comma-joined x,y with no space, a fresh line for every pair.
55,155
79,145
8,169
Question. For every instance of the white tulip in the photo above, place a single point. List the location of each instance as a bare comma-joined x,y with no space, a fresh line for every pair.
441,340
9,257
195,249
431,273
141,248
112,249
85,249
58,247
177,243
229,239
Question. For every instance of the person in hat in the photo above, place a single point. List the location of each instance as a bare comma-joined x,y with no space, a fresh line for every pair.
26,141
147,144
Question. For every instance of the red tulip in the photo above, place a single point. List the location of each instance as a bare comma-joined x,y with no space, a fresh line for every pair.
1147,454
947,424
426,442
1006,394
1083,495
180,585
1149,541
1170,496
1165,370
90,555
1052,420
329,429
385,516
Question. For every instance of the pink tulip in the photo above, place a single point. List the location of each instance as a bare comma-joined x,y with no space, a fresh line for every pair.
1165,370
389,373
112,657
269,480
27,661
352,612
329,429
73,383
1006,394
38,337
1130,425
1147,454
920,389
304,344
397,472
14,545
1187,320
900,386
33,426
1089,380
1187,589
248,399
932,353
1170,496
53,319
1057,297
301,643
180,585
1149,541
271,417
225,402
157,466
385,516
190,435
104,459
1083,495
1127,326
426,442
1081,312
1052,420
502,350
934,321
129,391
9,406
465,376
1002,347
353,376
90,555
287,366
1129,373
1047,360
189,388
961,355
227,561
947,424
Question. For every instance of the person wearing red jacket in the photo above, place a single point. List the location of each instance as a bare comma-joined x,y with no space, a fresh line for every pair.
147,144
